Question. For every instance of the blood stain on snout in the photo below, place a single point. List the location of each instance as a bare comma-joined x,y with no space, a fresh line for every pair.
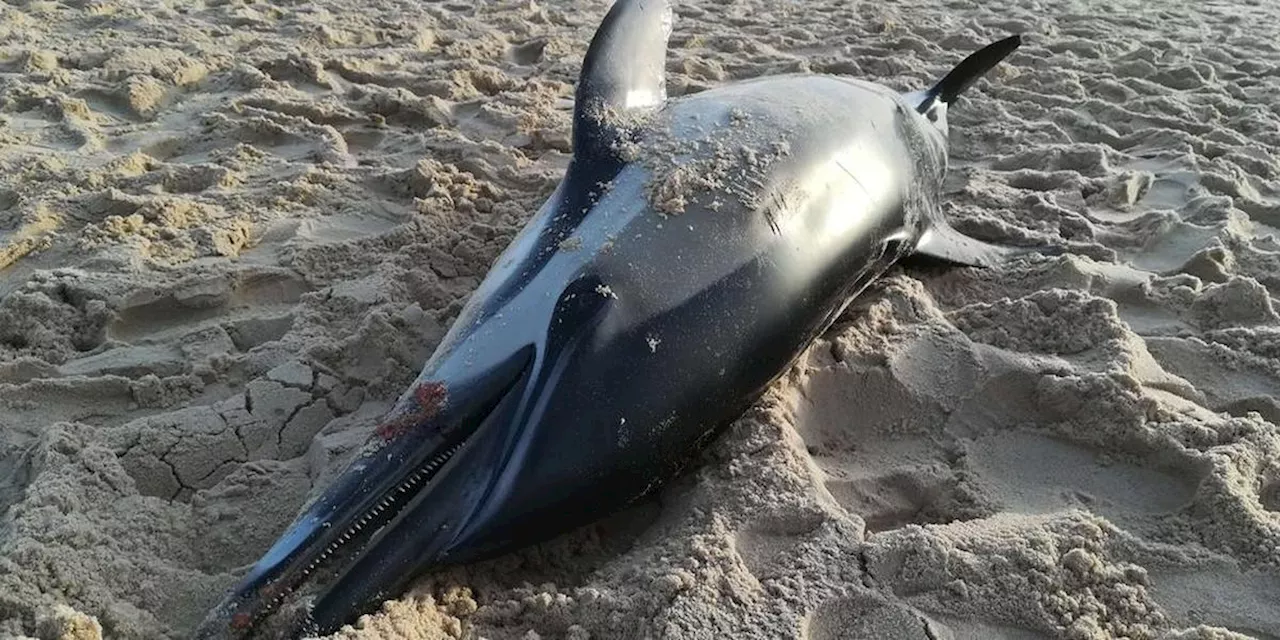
241,621
428,399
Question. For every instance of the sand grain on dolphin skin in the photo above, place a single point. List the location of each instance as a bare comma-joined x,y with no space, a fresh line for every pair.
694,249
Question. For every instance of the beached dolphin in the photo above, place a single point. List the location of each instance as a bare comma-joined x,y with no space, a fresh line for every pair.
694,249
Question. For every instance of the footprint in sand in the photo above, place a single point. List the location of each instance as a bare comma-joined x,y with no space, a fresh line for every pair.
1029,473
869,616
765,544
873,616
954,430
879,444
256,307
1221,595
895,448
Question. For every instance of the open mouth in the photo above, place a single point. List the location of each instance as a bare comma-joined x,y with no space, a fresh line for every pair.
338,547
380,515
372,493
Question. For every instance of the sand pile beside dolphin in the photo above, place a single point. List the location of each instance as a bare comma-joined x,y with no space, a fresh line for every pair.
223,270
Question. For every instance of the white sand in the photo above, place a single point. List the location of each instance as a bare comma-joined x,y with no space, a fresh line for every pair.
231,232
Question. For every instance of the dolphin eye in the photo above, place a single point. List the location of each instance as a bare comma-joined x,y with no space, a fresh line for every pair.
932,115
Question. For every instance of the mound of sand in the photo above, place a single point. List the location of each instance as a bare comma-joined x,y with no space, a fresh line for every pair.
231,232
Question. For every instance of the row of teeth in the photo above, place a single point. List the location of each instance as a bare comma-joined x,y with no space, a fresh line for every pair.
415,479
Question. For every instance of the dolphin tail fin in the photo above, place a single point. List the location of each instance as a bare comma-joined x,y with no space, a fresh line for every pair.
941,242
933,102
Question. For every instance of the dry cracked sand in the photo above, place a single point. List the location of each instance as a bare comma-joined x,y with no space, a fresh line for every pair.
232,231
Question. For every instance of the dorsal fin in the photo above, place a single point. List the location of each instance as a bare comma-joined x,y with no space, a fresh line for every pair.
624,70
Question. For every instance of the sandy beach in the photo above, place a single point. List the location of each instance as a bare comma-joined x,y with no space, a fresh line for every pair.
231,232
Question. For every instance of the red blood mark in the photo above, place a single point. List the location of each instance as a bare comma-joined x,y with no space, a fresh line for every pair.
428,397
431,397
241,621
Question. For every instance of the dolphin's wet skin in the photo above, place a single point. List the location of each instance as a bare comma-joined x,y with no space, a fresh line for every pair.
694,248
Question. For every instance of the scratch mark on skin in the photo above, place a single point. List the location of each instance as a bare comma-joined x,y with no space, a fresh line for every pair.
429,398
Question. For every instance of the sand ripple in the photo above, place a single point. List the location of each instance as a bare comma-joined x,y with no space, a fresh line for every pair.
231,232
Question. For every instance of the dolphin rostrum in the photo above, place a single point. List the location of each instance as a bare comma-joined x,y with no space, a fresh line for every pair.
694,248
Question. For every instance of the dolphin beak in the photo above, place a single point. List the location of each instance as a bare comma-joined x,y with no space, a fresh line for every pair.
394,511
